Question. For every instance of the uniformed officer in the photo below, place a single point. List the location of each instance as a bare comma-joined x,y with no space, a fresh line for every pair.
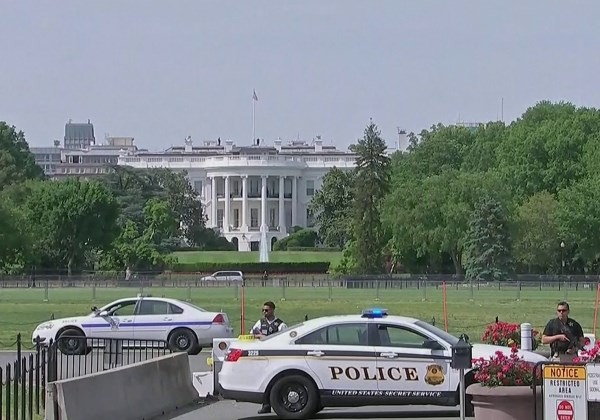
564,335
267,325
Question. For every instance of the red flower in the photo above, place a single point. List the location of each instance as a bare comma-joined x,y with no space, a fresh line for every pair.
507,335
504,370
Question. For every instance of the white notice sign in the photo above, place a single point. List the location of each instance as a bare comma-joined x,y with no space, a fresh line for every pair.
593,381
565,392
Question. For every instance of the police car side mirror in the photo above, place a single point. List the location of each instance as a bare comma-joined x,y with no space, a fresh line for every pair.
432,344
103,314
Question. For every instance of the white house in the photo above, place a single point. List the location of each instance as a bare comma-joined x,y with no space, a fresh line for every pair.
249,189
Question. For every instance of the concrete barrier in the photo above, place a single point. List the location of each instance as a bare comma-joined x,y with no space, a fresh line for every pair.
139,391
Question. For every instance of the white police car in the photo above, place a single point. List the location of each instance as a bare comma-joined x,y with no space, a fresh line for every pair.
185,327
349,361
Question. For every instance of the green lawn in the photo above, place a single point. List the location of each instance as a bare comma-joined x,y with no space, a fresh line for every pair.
469,310
250,257
12,405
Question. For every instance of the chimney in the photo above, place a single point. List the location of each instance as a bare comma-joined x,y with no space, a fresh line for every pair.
188,144
318,144
228,146
277,144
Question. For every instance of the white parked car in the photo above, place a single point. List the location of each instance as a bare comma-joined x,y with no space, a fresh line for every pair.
349,361
231,276
184,326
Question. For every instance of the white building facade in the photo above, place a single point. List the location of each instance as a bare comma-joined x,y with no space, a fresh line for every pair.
248,190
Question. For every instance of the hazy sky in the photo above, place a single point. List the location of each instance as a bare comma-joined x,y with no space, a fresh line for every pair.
162,70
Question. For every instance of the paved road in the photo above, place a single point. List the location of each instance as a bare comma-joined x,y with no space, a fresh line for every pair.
230,410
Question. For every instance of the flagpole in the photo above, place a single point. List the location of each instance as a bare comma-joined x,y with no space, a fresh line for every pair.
253,121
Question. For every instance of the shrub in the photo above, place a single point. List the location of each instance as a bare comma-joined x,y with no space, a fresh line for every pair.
508,334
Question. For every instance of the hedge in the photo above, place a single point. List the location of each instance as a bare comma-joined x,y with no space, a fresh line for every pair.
313,249
252,268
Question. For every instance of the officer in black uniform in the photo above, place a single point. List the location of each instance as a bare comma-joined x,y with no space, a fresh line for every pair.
267,325
564,335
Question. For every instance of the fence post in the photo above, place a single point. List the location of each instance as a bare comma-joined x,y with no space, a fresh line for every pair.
19,355
526,341
94,290
330,287
46,289
189,292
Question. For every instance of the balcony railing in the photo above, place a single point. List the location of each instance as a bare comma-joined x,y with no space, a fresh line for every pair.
209,162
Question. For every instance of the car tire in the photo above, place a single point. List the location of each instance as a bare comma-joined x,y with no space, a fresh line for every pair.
72,346
183,340
294,397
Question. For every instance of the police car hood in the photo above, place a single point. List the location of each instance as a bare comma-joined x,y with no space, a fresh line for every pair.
488,350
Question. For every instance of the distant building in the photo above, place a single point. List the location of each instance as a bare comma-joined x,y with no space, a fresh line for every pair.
249,189
79,135
86,162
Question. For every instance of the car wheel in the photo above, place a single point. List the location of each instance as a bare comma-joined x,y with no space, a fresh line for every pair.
183,340
72,341
294,397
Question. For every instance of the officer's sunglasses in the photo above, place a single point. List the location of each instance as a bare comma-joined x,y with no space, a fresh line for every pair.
562,310
266,310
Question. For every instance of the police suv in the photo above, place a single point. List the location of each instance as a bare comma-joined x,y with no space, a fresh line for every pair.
349,361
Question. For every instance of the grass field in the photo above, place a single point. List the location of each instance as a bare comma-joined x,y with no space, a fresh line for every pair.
251,257
20,413
468,311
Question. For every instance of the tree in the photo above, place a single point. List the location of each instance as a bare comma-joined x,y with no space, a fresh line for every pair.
71,218
17,163
332,206
537,238
488,246
372,179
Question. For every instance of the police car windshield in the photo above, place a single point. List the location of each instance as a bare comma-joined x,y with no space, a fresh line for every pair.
195,307
278,333
449,338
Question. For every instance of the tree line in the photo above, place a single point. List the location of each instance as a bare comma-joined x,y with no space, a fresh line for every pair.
485,202
130,219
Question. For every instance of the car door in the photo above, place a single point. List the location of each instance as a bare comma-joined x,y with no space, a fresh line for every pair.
341,357
154,319
117,323
411,365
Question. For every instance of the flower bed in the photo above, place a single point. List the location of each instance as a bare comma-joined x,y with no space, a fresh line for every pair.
508,334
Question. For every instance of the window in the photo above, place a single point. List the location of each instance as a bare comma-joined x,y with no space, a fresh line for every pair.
198,187
310,220
272,216
175,309
254,217
126,308
310,187
393,336
153,307
236,218
341,335
220,214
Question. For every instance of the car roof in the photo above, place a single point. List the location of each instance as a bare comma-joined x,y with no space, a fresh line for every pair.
324,320
162,299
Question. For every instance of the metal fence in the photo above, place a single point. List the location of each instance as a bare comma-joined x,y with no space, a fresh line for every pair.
73,356
23,382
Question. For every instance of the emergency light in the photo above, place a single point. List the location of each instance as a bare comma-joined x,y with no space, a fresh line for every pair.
374,313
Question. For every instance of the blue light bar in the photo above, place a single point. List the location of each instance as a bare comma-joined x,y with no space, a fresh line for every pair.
374,313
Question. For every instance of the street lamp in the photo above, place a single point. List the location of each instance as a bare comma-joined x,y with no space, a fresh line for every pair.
562,257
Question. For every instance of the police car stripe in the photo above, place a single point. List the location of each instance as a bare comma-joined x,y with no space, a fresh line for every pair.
337,353
148,324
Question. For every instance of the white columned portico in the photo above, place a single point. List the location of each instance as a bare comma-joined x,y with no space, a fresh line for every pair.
281,204
245,202
263,204
227,205
213,202
294,201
